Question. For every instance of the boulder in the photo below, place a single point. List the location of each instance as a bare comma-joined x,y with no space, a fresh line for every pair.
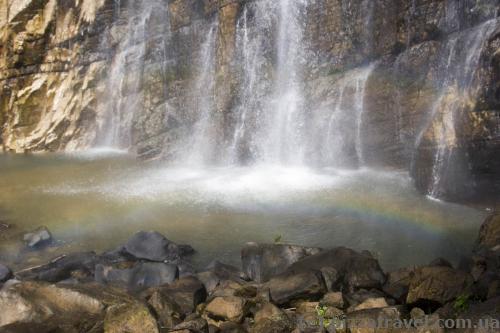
260,262
5,273
230,308
187,293
360,296
166,310
489,234
440,262
141,275
438,285
398,283
197,325
366,321
355,269
61,307
129,317
288,287
152,246
38,238
216,272
333,299
372,303
62,268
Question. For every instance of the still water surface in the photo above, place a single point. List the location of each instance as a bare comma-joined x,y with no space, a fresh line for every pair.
96,200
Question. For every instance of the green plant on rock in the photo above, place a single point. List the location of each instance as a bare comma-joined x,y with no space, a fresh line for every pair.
321,312
461,303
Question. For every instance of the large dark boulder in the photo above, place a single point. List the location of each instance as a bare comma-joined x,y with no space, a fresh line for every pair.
288,287
438,285
260,262
357,270
141,275
151,245
62,268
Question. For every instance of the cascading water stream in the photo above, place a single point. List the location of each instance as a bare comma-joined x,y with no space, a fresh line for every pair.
123,83
200,147
460,62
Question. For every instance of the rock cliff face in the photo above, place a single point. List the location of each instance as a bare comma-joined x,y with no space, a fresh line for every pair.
407,84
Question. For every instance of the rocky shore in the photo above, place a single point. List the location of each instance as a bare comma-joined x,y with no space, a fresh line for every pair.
148,284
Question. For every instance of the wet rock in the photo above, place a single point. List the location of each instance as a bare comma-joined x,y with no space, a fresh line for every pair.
38,238
142,275
209,279
270,318
372,303
398,283
5,273
356,270
334,299
216,272
331,277
417,313
80,264
438,285
360,296
166,310
489,234
151,245
29,303
363,321
229,308
441,262
288,287
260,262
197,325
187,293
129,317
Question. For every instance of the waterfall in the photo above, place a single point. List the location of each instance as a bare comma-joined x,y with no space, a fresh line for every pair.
339,129
123,83
456,72
200,146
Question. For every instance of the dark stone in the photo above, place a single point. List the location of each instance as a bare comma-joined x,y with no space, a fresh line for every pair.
287,287
166,310
38,238
142,275
187,293
197,325
62,268
260,262
358,297
5,273
224,271
147,275
366,318
441,262
434,286
357,270
151,245
398,283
